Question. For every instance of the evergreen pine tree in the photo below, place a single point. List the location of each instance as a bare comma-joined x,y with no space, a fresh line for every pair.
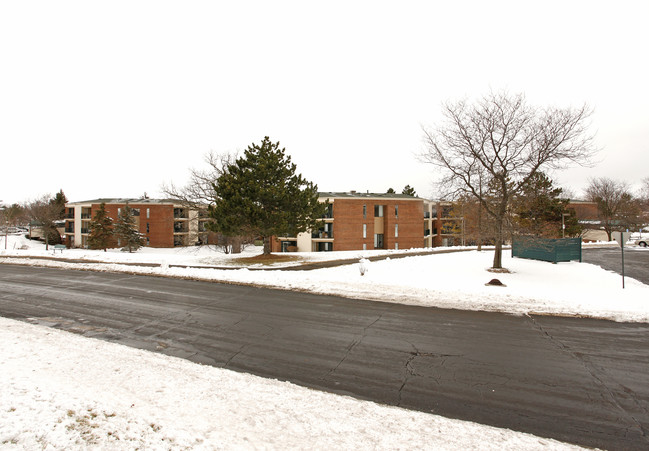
409,190
101,229
539,209
260,195
59,201
126,230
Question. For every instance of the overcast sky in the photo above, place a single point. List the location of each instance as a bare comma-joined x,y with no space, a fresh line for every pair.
111,99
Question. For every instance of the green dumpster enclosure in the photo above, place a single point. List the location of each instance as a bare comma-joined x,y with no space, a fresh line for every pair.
547,249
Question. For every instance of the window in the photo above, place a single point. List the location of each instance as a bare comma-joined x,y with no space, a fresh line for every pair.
364,211
378,241
378,211
364,230
148,213
396,230
323,247
147,228
364,246
396,246
396,211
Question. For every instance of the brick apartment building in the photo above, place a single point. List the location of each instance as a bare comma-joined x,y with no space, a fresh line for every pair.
355,221
364,221
443,227
162,222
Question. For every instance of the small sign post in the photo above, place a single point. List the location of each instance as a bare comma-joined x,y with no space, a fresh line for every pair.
621,238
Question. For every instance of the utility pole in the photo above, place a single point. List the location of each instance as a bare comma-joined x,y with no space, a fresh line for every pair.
621,238
563,224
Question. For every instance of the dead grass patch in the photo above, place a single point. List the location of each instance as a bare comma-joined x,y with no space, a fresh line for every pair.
268,259
499,270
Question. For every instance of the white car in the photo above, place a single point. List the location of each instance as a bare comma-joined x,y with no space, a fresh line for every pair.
642,242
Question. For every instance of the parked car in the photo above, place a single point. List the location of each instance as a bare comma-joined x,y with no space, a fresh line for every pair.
642,242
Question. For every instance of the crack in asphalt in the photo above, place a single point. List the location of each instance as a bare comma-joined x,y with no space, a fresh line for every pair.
598,375
248,345
410,370
351,346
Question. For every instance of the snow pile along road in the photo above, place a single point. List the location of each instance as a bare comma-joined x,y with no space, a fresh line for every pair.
61,391
447,280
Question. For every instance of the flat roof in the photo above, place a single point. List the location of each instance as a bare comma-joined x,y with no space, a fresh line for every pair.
123,200
357,195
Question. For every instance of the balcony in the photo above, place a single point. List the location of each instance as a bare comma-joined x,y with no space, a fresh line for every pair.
324,232
181,213
330,212
180,227
450,230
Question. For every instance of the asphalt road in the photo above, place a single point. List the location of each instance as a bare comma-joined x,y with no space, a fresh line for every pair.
578,380
636,261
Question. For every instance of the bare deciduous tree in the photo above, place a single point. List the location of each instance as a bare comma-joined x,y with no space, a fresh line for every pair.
44,213
644,196
199,190
617,208
492,148
199,193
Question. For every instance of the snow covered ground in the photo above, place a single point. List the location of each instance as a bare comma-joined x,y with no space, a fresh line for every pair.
448,280
62,391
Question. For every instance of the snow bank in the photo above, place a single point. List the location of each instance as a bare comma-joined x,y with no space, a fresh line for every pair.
451,280
61,391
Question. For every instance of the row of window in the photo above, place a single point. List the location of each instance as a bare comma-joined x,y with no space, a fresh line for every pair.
379,211
179,227
396,230
179,213
378,243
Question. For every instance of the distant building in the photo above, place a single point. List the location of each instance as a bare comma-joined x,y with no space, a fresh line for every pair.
364,221
162,222
587,214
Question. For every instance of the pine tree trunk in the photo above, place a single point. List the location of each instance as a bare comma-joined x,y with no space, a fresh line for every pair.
267,246
236,245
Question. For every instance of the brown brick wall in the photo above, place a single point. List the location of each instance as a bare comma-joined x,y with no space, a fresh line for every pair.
160,220
348,223
584,210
